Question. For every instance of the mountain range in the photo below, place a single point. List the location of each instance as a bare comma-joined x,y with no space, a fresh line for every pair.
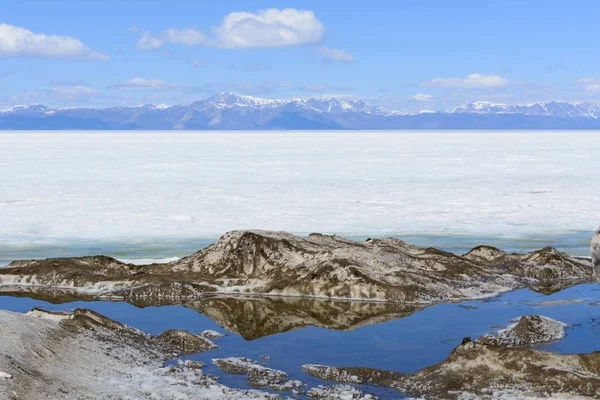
228,111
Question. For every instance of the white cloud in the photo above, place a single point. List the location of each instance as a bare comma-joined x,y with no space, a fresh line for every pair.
335,55
58,93
73,91
324,88
472,81
271,28
590,84
186,37
249,88
423,97
21,42
157,85
149,42
336,95
146,84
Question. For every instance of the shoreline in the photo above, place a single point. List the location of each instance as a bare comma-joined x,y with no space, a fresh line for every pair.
114,296
265,263
88,356
575,243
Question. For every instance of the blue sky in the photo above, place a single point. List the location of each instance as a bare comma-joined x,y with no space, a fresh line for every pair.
406,55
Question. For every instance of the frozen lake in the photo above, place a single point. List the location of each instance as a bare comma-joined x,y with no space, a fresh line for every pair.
163,194
155,191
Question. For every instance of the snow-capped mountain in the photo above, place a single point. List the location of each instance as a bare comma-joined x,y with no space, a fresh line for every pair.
33,109
551,109
231,111
483,107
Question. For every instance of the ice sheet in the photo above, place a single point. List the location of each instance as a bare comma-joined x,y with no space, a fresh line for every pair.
57,186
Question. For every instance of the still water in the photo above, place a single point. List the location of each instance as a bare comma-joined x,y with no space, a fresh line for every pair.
294,332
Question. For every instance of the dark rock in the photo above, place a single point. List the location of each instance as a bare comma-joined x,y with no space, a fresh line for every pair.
187,342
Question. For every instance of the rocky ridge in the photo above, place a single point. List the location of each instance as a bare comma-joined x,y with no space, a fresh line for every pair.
322,266
497,366
476,370
86,355
258,375
528,330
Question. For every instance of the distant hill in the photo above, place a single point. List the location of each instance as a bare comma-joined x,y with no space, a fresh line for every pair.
228,111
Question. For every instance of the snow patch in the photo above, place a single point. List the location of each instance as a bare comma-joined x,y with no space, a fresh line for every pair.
145,261
49,315
528,330
210,334
339,392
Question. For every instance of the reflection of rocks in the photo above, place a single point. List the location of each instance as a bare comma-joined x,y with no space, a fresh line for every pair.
477,370
255,317
48,294
549,288
165,293
529,330
282,264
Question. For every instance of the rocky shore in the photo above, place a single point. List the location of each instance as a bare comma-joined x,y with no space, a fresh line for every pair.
526,331
84,355
318,266
491,369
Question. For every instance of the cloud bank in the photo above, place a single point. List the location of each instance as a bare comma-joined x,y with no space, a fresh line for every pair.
423,97
58,93
472,81
271,28
324,88
330,55
146,84
590,84
21,42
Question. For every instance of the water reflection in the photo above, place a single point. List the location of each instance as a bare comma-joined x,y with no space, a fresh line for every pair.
375,335
252,317
257,317
52,296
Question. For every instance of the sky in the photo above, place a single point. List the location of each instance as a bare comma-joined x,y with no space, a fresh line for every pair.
404,55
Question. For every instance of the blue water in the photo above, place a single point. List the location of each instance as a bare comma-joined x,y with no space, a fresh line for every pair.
404,345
